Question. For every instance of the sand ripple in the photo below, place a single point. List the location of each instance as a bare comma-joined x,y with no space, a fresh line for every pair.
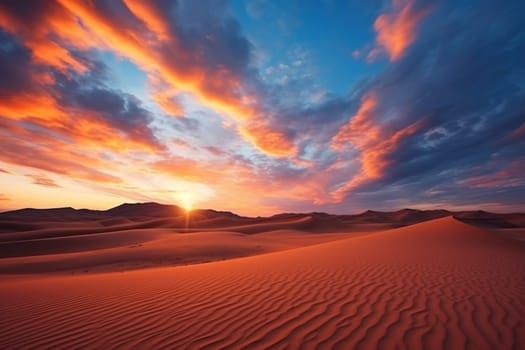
436,285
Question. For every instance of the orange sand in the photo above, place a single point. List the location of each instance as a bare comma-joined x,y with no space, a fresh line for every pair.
441,284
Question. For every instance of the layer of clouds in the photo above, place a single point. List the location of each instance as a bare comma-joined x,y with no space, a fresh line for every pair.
462,80
442,124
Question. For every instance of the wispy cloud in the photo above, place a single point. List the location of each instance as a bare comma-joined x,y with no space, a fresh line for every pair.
397,28
42,180
373,141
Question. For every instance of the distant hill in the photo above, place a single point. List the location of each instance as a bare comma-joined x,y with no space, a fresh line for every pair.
171,215
150,209
405,217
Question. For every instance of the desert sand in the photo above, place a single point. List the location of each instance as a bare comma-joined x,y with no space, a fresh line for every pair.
437,284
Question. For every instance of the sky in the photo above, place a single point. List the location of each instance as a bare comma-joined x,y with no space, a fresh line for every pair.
261,107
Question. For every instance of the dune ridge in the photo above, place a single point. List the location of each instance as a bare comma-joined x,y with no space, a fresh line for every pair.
440,284
146,215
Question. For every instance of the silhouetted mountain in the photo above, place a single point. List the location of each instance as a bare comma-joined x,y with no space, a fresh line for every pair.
210,213
149,209
52,214
171,215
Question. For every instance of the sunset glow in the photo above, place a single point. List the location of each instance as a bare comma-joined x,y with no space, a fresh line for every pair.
261,107
187,202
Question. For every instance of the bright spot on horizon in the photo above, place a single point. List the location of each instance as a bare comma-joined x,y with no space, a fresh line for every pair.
187,202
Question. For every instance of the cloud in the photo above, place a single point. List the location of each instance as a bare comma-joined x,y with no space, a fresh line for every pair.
87,96
443,115
3,197
184,47
52,155
168,102
42,180
39,25
14,61
373,142
396,29
196,47
503,178
216,151
266,138
76,105
459,94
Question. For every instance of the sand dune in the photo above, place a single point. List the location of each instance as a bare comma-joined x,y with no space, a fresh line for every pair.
135,249
441,284
85,245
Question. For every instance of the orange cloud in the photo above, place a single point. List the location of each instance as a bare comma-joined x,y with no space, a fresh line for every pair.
84,127
37,32
361,129
143,35
151,16
167,102
396,30
374,159
83,144
268,140
217,88
44,30
34,149
263,187
374,143
52,54
98,134
34,106
185,168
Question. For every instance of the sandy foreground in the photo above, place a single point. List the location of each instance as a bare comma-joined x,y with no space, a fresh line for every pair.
440,284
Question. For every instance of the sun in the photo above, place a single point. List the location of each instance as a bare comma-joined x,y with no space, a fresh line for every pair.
188,206
187,202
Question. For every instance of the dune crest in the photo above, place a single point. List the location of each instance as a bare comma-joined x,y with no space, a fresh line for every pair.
436,285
